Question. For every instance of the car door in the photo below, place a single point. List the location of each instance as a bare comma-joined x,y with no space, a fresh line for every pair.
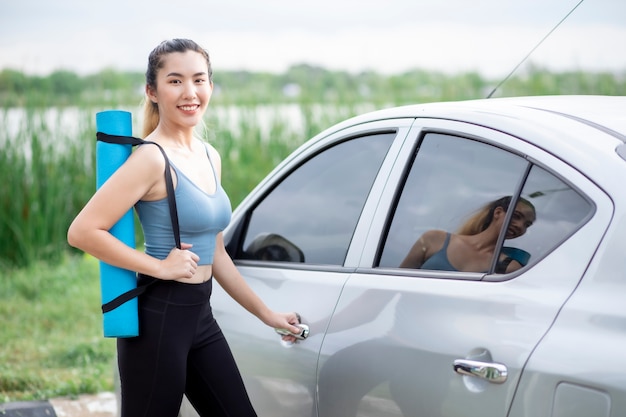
420,342
290,240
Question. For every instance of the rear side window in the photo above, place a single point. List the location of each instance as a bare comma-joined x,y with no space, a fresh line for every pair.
455,211
561,210
311,215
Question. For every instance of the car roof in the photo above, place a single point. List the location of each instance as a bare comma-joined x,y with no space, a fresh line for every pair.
585,131
606,113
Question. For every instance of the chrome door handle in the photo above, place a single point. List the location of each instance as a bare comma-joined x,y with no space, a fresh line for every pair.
303,334
490,371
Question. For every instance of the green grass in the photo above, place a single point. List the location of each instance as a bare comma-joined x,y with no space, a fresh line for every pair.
47,170
51,341
51,334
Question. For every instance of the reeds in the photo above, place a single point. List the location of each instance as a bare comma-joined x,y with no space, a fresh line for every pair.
45,177
47,165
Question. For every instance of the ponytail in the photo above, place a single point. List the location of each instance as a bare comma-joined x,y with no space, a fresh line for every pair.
481,220
150,117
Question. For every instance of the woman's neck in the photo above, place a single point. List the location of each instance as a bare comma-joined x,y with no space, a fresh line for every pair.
485,240
174,138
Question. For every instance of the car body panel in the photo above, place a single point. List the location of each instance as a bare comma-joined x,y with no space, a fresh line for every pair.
422,325
383,340
260,353
314,291
577,370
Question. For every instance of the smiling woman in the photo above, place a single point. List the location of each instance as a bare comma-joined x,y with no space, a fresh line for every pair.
181,349
189,92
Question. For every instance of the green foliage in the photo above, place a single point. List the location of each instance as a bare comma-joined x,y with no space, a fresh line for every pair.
49,301
303,84
52,342
46,176
47,170
47,166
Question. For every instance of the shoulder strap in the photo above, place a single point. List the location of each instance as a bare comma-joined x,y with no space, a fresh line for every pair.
171,200
169,184
502,265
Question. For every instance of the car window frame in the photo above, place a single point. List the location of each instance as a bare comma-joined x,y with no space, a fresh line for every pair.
401,185
234,234
533,153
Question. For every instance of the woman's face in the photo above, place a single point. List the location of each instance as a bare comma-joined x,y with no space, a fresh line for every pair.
523,217
183,89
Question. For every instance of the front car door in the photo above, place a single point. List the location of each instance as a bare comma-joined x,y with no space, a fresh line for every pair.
397,333
290,240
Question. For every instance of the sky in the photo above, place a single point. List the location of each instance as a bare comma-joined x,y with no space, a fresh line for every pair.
386,36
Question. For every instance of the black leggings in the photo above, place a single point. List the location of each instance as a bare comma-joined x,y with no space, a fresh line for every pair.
180,349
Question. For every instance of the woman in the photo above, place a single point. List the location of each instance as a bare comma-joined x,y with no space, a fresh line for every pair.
180,349
472,248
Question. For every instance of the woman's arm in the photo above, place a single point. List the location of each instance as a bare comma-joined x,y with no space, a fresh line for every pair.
139,177
228,276
422,249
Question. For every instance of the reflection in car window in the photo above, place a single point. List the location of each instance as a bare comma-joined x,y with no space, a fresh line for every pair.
439,223
450,179
311,215
561,210
472,247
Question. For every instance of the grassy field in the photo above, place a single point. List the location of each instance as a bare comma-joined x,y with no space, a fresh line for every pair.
51,341
51,333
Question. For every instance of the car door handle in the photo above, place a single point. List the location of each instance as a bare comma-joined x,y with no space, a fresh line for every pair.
303,334
490,371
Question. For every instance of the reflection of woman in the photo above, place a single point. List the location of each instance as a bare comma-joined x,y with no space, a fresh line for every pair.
471,249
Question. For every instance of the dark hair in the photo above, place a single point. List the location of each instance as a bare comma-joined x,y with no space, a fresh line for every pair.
481,220
155,63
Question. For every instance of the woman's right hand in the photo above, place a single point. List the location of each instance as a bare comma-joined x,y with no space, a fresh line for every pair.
180,263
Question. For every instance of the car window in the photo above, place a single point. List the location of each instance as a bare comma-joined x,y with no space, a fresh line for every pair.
311,214
561,210
454,187
449,178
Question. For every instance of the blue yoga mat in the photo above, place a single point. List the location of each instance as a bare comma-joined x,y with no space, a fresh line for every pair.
122,321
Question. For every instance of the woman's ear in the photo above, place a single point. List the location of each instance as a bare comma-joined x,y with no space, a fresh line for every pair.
499,212
151,94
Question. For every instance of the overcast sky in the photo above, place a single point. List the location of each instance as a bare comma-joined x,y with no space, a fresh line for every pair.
387,36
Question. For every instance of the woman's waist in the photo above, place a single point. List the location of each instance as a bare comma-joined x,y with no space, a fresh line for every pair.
203,274
203,247
176,292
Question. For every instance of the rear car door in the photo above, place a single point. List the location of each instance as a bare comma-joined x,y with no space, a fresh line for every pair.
290,239
418,342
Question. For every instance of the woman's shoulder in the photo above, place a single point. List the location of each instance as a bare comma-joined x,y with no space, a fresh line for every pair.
435,235
147,156
213,152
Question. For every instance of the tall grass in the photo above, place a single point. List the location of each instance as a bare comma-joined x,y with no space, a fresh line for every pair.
46,175
51,340
47,168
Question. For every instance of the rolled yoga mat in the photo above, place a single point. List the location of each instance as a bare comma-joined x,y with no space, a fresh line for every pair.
122,321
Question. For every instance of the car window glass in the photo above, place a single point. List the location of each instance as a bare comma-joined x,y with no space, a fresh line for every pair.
311,215
450,179
560,210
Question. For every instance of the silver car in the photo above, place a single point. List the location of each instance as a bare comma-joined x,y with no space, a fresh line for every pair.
328,231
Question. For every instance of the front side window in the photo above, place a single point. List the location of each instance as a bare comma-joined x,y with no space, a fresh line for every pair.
311,214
